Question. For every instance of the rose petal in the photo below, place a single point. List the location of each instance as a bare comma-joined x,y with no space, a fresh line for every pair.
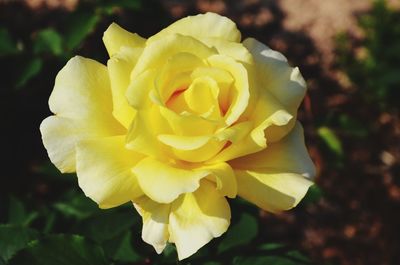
116,37
273,179
157,53
196,218
81,100
155,222
239,93
288,155
104,171
164,182
209,25
119,68
281,80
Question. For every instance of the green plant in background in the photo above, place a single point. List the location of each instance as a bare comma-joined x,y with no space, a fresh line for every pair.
375,66
29,54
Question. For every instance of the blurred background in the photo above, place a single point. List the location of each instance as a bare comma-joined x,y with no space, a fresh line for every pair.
347,51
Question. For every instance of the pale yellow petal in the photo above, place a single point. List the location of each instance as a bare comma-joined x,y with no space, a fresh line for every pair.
59,136
177,66
183,142
275,75
196,218
267,112
164,182
209,25
234,50
81,100
142,135
155,222
275,178
288,155
270,190
239,93
104,171
224,178
138,92
119,68
156,53
188,124
116,37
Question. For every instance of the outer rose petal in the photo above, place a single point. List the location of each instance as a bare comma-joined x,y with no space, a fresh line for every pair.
104,171
283,81
81,100
115,37
155,222
209,25
163,182
196,218
273,179
288,155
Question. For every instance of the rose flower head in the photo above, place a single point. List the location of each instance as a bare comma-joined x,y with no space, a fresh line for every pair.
178,123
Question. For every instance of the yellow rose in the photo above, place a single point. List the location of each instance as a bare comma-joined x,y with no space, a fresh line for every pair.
177,123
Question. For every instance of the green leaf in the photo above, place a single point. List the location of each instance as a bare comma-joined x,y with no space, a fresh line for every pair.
80,24
331,140
353,126
14,238
7,44
76,205
61,250
2,262
48,41
17,213
271,246
241,233
121,248
29,70
107,225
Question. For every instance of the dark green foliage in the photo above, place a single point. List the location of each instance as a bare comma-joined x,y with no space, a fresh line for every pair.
375,68
61,250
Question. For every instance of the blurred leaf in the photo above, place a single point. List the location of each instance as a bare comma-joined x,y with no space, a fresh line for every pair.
61,250
48,41
29,69
7,45
121,248
295,254
241,233
76,205
353,126
271,246
17,213
14,238
107,225
266,260
2,262
80,24
331,140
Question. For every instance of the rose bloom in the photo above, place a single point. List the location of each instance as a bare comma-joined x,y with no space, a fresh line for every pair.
177,124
